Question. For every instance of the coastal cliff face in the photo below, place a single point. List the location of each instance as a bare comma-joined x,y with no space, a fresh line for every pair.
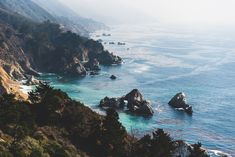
28,47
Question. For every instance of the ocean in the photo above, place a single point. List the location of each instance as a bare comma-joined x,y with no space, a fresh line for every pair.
162,61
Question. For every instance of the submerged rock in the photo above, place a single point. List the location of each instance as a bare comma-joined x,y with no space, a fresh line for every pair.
133,101
179,101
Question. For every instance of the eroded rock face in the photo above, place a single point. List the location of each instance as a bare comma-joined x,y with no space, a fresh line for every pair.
180,101
32,81
92,65
75,69
133,101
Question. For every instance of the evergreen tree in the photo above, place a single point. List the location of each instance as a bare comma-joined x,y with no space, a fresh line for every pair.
113,135
197,151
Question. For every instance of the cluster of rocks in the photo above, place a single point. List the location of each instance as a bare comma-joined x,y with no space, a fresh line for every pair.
179,102
133,102
121,43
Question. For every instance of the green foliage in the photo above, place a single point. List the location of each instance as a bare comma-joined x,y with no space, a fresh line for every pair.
159,144
48,104
15,117
112,135
57,151
67,126
4,152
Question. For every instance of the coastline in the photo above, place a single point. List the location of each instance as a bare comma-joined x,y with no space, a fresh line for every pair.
213,153
106,81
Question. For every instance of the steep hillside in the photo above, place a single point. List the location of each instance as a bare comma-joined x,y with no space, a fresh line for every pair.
28,9
69,18
43,10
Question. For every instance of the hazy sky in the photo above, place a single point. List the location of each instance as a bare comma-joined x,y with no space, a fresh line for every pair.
214,12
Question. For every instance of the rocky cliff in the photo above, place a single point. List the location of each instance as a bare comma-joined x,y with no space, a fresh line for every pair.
27,47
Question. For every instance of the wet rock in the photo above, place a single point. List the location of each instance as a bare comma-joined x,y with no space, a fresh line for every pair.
107,58
112,103
92,73
136,103
106,35
179,101
120,43
133,101
113,77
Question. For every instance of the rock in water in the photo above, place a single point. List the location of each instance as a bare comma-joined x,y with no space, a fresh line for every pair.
135,103
113,77
179,101
134,96
115,103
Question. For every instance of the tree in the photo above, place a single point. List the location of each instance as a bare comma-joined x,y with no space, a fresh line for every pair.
47,104
159,144
15,116
197,151
113,135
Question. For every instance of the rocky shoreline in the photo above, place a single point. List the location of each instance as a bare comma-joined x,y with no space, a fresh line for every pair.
45,47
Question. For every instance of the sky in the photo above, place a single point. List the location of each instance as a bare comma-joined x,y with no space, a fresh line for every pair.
194,12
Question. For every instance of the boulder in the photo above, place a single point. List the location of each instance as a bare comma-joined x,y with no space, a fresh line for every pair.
113,77
112,103
136,103
134,96
179,101
144,108
133,101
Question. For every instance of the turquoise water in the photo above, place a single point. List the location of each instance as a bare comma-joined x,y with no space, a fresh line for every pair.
160,62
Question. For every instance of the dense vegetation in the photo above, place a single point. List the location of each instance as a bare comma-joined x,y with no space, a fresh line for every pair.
52,124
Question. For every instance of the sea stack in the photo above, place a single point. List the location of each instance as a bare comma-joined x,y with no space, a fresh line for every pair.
179,101
133,101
